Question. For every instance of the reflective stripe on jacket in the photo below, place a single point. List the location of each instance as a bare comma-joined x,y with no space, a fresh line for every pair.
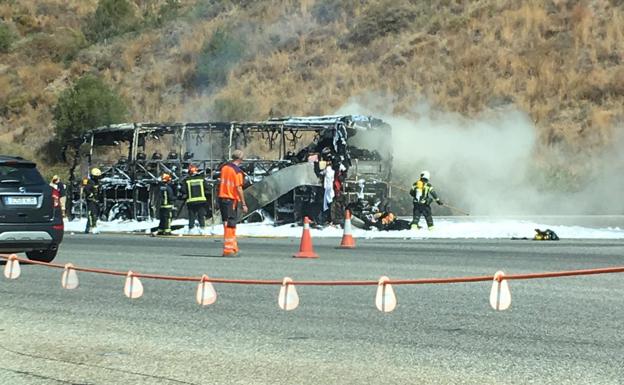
195,190
166,195
423,192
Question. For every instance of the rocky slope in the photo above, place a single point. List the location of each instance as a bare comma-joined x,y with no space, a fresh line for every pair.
562,62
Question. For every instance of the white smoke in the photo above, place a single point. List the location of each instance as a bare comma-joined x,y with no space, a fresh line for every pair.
488,165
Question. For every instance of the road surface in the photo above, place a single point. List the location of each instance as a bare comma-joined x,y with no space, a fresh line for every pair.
557,331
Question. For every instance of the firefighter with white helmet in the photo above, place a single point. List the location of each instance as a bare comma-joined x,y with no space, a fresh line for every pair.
92,192
423,195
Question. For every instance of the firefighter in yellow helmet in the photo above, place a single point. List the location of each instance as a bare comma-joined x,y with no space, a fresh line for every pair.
195,192
423,195
166,205
92,193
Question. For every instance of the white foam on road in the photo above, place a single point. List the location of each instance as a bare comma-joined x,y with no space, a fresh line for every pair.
447,227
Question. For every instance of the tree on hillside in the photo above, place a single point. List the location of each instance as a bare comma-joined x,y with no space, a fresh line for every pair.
111,18
88,104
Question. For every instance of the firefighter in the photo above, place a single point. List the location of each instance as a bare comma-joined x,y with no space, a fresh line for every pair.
378,219
384,220
166,205
423,194
194,190
231,197
92,191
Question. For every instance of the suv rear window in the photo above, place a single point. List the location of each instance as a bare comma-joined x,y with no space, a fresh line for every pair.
22,174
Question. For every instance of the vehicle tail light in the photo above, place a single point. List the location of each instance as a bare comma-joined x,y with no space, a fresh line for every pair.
59,227
56,198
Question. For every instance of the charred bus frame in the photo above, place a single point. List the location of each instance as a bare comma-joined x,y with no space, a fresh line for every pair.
132,177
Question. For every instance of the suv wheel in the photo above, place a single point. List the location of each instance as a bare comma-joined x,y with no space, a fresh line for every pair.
42,255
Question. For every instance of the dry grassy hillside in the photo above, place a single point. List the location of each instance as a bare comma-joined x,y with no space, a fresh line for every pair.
560,61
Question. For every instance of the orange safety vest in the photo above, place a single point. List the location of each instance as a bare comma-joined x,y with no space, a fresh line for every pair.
231,178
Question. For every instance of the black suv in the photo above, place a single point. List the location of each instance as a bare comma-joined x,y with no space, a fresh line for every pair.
30,211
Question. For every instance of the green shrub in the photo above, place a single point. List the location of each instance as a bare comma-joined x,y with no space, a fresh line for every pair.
90,103
381,19
6,38
67,43
111,18
168,11
218,56
63,45
16,103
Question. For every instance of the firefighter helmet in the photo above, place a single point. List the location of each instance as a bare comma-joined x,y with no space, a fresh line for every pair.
166,178
96,171
425,175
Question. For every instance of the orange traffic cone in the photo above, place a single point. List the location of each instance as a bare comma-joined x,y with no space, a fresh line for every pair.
347,239
305,249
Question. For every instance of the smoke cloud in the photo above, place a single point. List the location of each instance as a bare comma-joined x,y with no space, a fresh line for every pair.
493,165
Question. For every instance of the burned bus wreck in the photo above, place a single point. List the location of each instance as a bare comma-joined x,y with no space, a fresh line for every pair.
283,161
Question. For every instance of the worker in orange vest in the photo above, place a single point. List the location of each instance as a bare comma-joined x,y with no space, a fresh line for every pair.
231,197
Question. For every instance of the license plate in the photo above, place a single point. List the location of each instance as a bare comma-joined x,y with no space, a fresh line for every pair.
23,201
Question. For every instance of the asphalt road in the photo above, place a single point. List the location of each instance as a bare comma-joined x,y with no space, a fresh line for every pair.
557,331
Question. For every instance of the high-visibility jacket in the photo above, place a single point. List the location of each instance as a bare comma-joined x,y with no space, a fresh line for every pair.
231,179
92,191
423,192
194,189
166,196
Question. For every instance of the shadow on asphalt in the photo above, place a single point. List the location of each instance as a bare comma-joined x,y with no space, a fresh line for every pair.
203,256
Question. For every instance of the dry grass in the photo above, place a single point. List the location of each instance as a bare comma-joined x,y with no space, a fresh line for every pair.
561,61
48,71
5,84
134,52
